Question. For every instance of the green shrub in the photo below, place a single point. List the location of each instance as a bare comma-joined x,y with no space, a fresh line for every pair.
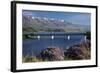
88,34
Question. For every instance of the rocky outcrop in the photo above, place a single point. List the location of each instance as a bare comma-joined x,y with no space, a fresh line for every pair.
76,52
79,51
52,54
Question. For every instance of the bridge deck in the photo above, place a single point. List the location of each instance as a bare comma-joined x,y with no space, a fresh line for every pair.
53,33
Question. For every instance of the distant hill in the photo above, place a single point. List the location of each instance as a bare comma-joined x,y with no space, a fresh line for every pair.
43,24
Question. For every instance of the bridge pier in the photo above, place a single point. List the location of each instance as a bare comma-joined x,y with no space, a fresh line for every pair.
52,37
38,37
68,37
85,38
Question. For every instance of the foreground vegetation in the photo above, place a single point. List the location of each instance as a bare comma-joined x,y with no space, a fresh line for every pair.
31,59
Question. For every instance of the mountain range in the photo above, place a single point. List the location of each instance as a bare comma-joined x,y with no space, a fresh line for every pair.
45,24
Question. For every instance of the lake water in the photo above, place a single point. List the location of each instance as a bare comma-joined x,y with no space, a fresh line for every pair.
43,41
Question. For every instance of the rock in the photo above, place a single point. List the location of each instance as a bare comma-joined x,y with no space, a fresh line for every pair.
79,51
76,52
52,54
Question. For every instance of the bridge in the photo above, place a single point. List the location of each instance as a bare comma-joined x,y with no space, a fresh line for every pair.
51,35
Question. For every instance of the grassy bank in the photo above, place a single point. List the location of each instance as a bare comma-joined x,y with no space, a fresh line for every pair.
31,59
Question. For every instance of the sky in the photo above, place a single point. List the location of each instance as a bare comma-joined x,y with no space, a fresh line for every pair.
73,17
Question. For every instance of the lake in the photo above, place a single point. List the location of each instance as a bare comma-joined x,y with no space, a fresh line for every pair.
45,40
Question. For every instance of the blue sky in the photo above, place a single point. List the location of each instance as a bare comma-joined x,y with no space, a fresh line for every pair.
73,17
